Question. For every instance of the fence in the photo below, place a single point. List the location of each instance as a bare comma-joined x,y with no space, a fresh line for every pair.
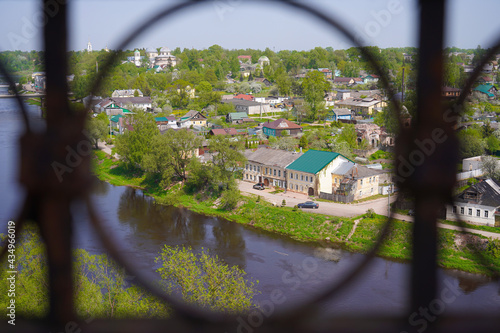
337,197
469,174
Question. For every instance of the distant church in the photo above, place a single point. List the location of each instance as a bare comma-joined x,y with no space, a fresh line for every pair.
89,47
161,60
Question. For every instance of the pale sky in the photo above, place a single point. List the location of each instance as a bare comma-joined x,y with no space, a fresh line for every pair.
258,24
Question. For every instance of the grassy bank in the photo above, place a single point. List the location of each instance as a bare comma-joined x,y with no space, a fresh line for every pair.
455,253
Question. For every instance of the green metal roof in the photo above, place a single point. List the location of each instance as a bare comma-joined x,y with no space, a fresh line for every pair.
484,88
116,118
161,119
238,115
313,161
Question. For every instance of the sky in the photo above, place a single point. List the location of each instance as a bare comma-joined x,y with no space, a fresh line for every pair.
235,24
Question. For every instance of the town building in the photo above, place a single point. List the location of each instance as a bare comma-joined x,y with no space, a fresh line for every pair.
339,115
268,166
311,173
362,106
192,118
281,127
249,107
479,204
127,93
165,123
238,118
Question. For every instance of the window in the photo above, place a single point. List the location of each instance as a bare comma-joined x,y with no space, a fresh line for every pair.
462,211
279,173
485,213
301,188
371,192
266,171
254,168
296,187
454,209
258,169
297,176
247,175
246,166
470,211
360,193
361,181
478,212
302,177
291,186
275,172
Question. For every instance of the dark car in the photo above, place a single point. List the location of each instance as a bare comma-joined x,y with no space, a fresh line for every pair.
259,186
308,204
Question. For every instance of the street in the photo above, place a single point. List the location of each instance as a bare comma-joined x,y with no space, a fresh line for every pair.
343,210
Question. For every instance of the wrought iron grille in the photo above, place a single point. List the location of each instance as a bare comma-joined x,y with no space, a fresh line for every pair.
48,201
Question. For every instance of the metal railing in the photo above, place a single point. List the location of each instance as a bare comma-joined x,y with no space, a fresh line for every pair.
430,183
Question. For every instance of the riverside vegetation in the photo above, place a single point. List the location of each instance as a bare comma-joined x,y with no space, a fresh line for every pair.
470,253
102,289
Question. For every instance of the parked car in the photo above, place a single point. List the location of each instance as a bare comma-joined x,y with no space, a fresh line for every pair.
259,186
308,204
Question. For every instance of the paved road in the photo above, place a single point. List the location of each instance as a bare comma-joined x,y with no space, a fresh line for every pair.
344,210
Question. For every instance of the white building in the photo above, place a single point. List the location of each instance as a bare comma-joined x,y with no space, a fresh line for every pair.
479,204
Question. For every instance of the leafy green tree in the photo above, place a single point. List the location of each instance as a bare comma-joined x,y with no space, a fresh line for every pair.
490,167
303,142
471,143
492,143
210,76
98,128
315,86
205,280
171,153
228,157
133,145
349,136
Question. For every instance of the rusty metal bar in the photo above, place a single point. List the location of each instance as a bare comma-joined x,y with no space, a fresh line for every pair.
54,207
424,154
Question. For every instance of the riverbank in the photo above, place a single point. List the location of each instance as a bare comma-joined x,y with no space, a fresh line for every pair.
457,251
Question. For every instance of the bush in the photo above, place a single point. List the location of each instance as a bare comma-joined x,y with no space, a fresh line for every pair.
370,213
295,208
258,199
230,198
283,203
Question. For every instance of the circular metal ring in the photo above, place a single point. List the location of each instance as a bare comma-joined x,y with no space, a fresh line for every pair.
189,310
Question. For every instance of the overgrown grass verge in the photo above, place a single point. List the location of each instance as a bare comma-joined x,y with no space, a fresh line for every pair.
309,227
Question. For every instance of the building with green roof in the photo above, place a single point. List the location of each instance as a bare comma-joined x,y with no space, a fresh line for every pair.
311,173
487,89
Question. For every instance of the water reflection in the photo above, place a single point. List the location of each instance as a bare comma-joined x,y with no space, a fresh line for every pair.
166,225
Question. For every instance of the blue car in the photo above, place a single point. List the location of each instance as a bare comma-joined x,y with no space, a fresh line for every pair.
308,204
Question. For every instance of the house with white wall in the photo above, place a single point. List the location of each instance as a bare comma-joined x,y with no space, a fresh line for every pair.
311,173
478,204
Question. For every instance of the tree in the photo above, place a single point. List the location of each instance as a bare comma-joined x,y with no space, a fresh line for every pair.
98,128
490,167
349,136
100,286
228,157
471,143
204,280
133,145
303,142
170,154
315,86
250,77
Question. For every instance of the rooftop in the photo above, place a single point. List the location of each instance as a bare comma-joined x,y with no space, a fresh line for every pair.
313,161
272,157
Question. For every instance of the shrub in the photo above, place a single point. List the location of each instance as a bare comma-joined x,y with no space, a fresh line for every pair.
295,208
370,213
283,203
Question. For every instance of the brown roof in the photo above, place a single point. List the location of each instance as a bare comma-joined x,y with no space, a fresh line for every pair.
224,131
450,89
282,123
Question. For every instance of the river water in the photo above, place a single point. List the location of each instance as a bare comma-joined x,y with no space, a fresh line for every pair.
296,269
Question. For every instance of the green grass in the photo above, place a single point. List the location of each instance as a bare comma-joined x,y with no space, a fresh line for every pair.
380,154
472,226
306,226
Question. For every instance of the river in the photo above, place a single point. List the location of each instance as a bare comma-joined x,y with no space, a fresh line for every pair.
297,269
